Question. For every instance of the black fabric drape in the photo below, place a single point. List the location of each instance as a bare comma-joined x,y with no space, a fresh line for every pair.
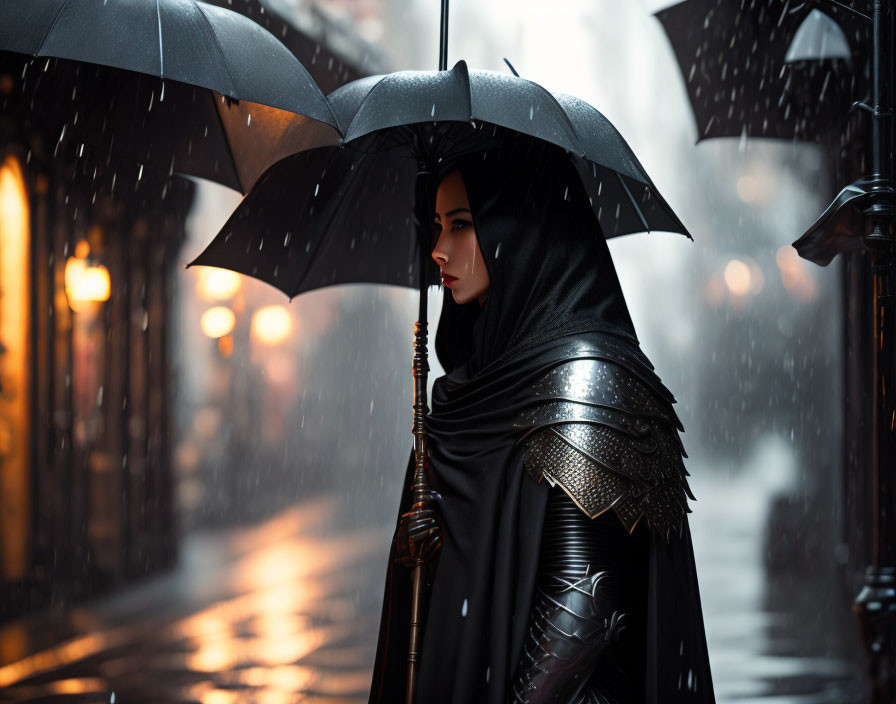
553,296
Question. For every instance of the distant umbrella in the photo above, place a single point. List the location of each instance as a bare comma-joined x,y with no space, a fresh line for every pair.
184,86
768,68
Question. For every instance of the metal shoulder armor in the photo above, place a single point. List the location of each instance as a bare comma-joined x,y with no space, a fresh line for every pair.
609,441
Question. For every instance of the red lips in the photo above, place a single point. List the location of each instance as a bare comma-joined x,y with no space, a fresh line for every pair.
448,280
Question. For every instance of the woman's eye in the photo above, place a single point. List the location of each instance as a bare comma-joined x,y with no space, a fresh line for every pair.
459,224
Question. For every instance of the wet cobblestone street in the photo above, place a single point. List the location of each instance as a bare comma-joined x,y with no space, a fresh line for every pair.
288,611
277,613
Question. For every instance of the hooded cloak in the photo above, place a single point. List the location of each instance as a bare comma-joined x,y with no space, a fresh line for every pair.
553,296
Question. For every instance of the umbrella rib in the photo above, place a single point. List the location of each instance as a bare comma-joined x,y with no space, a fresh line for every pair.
634,203
218,44
361,105
236,171
50,28
558,106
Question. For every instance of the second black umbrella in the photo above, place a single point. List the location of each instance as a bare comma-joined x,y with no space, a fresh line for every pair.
181,85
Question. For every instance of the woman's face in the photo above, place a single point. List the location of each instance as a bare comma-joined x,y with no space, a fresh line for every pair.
457,250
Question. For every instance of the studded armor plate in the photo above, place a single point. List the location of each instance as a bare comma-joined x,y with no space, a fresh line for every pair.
609,442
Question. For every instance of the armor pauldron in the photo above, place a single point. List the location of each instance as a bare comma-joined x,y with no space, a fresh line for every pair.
609,442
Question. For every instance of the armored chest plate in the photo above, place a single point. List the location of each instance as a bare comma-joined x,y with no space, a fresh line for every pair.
609,442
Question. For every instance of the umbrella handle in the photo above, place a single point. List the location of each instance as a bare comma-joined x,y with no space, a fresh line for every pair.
421,488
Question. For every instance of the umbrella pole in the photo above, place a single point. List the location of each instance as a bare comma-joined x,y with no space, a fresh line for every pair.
421,368
421,487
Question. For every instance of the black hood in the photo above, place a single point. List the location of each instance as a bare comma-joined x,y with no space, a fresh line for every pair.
549,266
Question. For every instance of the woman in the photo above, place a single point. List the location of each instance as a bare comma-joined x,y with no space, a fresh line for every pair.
564,570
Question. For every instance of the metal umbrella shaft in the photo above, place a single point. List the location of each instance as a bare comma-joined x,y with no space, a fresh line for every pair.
421,487
421,369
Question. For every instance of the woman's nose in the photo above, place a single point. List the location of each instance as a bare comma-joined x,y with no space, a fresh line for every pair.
440,257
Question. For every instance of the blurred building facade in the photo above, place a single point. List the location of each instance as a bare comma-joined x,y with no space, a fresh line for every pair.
84,413
89,248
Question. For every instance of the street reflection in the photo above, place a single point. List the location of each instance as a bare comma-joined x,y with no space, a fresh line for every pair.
263,614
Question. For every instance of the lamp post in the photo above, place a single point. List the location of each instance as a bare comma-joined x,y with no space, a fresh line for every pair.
863,216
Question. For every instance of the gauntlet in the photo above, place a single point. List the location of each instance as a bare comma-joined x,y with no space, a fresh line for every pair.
418,535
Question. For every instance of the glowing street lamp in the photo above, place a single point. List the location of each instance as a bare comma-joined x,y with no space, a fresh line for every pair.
271,325
217,284
86,282
217,322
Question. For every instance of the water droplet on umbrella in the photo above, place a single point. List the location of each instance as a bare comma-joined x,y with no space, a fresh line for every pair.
530,112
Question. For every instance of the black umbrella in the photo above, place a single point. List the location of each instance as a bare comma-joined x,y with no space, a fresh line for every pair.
178,84
745,75
344,214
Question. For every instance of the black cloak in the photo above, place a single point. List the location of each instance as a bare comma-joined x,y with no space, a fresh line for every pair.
553,296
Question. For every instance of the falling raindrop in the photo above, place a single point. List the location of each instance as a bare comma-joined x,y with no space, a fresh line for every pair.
249,120
432,113
463,609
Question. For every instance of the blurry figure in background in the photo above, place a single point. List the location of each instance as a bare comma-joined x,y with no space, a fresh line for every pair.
550,439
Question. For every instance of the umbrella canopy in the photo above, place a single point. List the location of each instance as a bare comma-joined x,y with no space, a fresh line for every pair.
178,84
745,74
345,214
